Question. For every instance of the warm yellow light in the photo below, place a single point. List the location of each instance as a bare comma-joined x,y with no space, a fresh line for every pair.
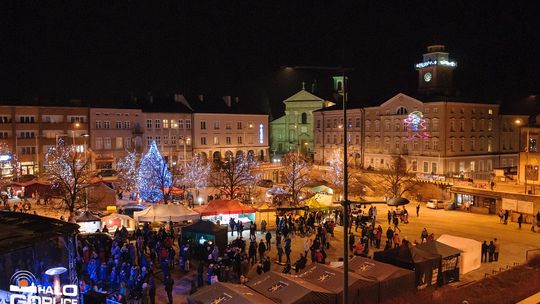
77,124
518,121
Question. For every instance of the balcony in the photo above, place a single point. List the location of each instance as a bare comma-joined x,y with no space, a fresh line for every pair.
53,125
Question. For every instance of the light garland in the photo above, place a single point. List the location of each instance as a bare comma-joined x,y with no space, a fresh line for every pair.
415,123
154,175
435,62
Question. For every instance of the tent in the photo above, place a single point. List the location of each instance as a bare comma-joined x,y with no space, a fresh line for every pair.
284,289
322,189
449,271
227,292
224,210
331,279
425,264
88,222
266,212
100,196
320,201
165,213
202,231
393,281
116,221
471,251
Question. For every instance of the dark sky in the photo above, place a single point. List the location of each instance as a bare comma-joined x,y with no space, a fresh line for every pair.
110,50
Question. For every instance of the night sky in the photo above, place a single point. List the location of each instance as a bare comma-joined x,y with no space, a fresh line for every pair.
111,50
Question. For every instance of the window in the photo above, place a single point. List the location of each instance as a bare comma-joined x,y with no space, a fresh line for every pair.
489,146
377,125
303,118
250,125
203,125
228,140
118,124
27,119
376,143
165,140
367,142
127,142
387,125
119,142
74,119
335,139
26,134
490,111
452,125
357,122
173,140
188,124
99,143
216,140
157,123
149,123
462,125
335,123
435,144
3,135
435,124
401,111
490,125
415,145
158,140
203,140
239,125
106,124
341,138
318,123
327,138
426,167
387,143
188,140
165,124
228,125
397,125
149,140
239,139
473,125
28,150
357,139
473,143
426,124
434,168
426,144
5,119
452,144
368,125
107,142
98,124
127,124
462,144
435,110
414,165
180,124
216,125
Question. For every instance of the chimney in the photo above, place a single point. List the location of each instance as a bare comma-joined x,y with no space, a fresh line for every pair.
201,97
179,98
227,100
237,99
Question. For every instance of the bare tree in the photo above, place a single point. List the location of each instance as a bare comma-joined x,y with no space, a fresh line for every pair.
397,179
336,175
196,173
128,168
69,172
296,175
235,174
9,161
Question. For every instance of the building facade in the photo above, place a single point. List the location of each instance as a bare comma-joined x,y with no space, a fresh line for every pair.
112,133
29,132
294,130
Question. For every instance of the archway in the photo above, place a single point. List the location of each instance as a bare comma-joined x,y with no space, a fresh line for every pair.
228,155
216,155
239,153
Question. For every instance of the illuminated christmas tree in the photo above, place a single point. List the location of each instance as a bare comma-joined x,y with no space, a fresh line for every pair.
154,176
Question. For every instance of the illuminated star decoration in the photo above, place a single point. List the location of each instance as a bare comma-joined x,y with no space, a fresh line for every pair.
415,123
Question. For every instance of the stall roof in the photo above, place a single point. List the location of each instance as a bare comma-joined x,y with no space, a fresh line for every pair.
204,227
224,292
439,248
165,213
87,216
216,207
19,230
375,270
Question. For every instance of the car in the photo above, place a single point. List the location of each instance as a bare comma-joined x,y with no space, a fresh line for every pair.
435,204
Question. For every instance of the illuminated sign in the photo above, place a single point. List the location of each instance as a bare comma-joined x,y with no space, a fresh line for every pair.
5,157
435,62
261,133
25,289
415,123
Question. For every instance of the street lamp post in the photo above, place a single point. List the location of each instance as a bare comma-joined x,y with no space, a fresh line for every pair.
345,202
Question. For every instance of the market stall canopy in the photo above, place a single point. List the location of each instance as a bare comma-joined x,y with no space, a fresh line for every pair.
100,196
392,281
424,264
471,251
360,290
216,207
174,191
322,189
449,271
208,231
397,201
20,230
276,191
165,213
282,288
116,221
227,292
87,216
320,201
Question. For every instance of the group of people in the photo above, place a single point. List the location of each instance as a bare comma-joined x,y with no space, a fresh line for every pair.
490,252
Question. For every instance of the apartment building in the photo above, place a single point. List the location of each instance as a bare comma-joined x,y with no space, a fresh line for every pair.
113,131
29,131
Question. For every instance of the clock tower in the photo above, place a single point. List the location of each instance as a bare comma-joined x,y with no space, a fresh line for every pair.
435,72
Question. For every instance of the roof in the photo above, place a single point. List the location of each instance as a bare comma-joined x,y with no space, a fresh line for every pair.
303,95
224,207
376,270
20,230
439,248
87,216
217,292
204,227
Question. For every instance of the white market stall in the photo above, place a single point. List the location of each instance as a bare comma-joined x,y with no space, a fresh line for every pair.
165,213
471,251
88,223
115,221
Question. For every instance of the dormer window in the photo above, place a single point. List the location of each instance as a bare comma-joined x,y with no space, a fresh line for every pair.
401,111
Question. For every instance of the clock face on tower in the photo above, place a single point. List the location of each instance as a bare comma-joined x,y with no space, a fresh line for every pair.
427,77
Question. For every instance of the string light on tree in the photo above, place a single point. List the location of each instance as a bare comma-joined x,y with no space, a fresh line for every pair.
154,175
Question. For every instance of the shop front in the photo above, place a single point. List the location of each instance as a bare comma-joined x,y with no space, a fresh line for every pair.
476,201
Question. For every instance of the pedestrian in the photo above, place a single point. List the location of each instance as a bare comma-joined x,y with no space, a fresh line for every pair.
263,226
496,249
397,240
351,242
168,288
268,238
389,234
520,220
262,249
279,251
389,217
288,249
152,290
418,210
506,215
396,223
424,235
484,251
232,224
491,251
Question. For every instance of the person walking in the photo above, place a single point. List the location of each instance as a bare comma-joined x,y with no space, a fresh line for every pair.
418,210
397,240
268,238
424,235
152,290
389,216
232,224
396,224
262,249
263,226
520,220
496,249
484,251
288,249
168,288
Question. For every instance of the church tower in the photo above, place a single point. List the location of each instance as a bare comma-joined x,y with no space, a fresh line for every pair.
435,72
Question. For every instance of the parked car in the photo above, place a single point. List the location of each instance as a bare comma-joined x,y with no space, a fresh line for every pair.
435,204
